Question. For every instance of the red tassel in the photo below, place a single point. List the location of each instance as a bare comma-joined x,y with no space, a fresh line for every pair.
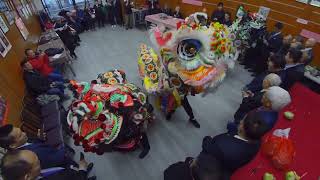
93,150
85,141
103,126
102,117
194,26
97,141
99,152
75,136
179,24
81,138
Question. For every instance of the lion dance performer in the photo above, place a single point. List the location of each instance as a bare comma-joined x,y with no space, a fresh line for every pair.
110,114
192,59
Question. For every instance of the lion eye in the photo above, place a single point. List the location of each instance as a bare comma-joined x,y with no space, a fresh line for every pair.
188,49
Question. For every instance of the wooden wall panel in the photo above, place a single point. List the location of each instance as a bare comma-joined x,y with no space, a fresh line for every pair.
12,85
285,11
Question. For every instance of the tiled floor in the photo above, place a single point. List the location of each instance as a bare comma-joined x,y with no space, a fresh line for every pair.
172,141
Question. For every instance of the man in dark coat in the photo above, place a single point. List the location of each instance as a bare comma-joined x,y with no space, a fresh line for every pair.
24,165
234,150
271,44
276,64
38,84
307,52
219,14
294,70
204,167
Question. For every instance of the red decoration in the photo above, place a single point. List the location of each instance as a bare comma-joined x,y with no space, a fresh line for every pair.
97,141
85,141
103,126
102,117
99,152
223,49
163,40
179,24
194,26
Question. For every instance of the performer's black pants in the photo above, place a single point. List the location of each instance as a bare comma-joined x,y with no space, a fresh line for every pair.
186,106
145,141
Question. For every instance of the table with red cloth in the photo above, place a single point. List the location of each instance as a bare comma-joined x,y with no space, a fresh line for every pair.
304,133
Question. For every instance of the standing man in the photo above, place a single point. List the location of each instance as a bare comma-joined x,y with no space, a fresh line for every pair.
153,6
307,52
177,13
294,70
274,40
99,14
128,14
219,14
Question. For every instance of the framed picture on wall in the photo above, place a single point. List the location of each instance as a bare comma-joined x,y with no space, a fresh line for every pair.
2,50
22,28
3,25
303,1
3,110
264,12
5,45
10,17
315,3
241,12
3,6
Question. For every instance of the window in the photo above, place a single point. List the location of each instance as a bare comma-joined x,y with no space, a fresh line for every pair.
312,2
315,3
53,7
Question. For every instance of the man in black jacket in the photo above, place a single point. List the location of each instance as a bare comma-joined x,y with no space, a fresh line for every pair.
38,84
25,165
294,70
272,44
204,167
274,40
219,14
307,52
276,64
286,42
235,150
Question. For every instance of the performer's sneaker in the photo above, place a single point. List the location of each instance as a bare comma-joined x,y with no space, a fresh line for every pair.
195,123
90,167
92,178
168,117
144,153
